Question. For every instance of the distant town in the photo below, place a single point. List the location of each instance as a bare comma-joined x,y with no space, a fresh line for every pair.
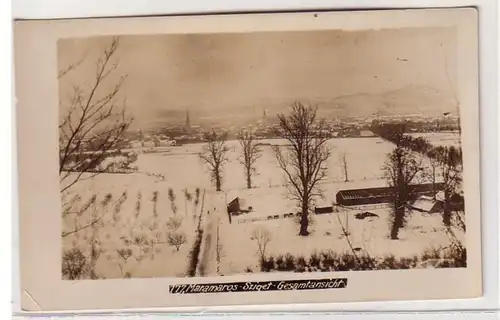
268,128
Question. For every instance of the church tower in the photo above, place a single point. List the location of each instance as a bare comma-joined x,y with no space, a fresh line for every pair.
188,122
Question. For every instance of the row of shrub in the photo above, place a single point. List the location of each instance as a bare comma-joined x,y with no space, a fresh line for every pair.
327,261
396,133
194,254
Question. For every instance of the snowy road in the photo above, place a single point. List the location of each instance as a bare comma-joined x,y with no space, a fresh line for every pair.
208,258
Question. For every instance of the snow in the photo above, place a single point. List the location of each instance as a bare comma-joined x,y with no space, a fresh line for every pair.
183,169
444,139
371,235
153,260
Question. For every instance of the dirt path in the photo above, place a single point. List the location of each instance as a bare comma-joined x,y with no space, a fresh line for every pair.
208,256
207,264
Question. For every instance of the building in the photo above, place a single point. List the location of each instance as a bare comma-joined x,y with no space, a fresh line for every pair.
427,204
237,206
323,209
356,197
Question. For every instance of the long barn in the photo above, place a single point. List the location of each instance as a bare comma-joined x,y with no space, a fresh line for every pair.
356,197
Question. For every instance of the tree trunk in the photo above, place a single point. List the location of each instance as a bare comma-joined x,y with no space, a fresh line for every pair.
434,189
249,179
399,202
399,212
304,220
446,208
217,180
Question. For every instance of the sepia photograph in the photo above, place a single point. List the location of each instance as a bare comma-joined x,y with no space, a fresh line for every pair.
249,159
218,154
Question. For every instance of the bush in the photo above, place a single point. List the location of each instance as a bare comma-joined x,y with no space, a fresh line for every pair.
267,264
326,261
407,263
280,262
194,254
174,223
347,262
431,253
366,262
74,264
458,254
176,239
290,262
388,262
315,260
301,264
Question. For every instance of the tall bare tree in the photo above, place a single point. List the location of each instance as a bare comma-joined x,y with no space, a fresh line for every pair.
450,160
433,171
249,155
401,170
304,161
214,154
343,162
94,122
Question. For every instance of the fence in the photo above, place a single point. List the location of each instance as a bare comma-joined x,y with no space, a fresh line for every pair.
365,206
270,217
291,215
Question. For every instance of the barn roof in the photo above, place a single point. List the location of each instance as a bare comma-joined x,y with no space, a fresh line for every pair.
354,194
424,204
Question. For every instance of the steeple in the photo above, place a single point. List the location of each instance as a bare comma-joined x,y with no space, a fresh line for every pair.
188,120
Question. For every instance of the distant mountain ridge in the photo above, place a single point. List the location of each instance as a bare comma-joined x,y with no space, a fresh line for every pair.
413,99
407,100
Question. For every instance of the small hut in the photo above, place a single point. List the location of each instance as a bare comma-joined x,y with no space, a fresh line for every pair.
427,204
238,206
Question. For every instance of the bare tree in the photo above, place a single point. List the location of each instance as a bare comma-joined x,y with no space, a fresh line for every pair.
249,155
74,264
70,67
94,122
401,169
187,197
176,239
262,236
214,154
304,161
171,197
174,223
432,172
450,160
343,162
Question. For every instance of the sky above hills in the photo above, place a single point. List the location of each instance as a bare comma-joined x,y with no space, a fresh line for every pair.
240,75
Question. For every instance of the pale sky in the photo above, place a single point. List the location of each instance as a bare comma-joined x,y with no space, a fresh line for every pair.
168,72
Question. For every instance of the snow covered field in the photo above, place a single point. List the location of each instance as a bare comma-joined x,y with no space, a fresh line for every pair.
135,218
369,235
182,166
444,139
135,209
